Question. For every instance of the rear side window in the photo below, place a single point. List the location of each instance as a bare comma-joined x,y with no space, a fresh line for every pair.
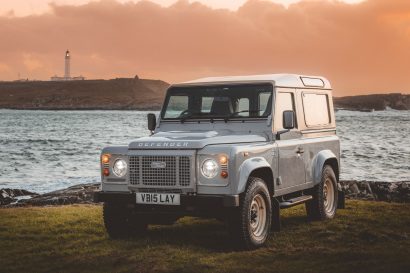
316,109
285,102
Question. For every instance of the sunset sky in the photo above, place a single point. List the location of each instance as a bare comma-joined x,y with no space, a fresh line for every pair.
361,46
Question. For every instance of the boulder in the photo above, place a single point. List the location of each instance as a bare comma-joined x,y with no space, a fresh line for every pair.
83,193
381,191
78,194
8,196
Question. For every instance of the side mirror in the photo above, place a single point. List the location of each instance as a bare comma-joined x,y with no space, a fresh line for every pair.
152,121
288,119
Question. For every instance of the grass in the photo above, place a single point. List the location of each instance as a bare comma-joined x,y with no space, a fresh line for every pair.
365,237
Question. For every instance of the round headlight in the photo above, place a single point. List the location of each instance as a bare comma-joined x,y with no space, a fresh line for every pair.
120,167
209,168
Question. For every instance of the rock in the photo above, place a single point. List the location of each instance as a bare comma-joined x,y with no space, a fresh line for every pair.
8,196
354,189
367,187
83,193
78,194
5,199
380,191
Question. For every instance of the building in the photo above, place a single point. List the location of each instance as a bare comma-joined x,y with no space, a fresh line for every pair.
67,71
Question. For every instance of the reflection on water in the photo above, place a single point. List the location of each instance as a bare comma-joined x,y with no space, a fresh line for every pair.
48,150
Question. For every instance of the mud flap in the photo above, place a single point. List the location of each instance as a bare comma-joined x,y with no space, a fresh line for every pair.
340,200
276,224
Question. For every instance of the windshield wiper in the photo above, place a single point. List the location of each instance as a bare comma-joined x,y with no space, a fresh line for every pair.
187,115
184,116
238,112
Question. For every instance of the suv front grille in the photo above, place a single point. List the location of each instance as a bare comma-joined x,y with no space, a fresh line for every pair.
164,171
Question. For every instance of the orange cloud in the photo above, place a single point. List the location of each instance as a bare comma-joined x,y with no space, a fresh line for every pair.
361,48
31,63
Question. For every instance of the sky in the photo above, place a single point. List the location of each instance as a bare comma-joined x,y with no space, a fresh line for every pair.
361,47
30,7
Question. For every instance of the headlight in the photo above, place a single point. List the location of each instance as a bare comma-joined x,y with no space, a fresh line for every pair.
120,167
209,168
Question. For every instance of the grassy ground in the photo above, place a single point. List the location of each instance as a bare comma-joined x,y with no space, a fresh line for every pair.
365,237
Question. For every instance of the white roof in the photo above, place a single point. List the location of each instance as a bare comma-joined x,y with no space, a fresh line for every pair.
281,80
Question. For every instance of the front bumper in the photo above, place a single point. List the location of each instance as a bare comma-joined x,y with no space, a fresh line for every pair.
187,201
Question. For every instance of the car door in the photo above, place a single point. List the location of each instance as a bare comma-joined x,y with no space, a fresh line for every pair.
291,163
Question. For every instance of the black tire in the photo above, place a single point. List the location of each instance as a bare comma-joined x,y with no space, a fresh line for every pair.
120,222
250,224
325,197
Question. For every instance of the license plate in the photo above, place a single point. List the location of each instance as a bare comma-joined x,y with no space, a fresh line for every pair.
158,198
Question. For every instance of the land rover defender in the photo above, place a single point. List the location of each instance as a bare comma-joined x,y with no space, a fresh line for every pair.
237,149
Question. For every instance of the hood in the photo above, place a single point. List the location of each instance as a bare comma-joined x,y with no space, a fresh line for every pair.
193,140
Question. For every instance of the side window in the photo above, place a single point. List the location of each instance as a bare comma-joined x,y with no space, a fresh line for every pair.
206,104
264,100
176,105
284,101
316,109
243,105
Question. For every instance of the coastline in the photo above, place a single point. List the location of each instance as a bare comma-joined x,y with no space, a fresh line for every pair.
398,192
140,94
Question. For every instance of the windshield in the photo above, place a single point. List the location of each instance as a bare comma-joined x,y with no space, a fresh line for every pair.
225,102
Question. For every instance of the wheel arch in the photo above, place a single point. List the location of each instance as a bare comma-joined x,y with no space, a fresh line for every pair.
257,167
325,157
335,166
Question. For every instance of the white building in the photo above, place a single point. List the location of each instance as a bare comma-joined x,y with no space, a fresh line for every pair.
67,71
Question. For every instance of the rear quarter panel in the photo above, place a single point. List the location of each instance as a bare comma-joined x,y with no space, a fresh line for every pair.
317,151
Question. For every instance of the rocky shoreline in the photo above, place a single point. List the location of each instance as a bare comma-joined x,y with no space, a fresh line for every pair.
139,94
374,102
377,191
114,94
83,194
78,194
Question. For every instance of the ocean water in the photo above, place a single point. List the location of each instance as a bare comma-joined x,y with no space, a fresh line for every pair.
48,150
375,146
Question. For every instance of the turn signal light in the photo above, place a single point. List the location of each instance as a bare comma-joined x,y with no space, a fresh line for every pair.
224,174
223,160
105,158
106,172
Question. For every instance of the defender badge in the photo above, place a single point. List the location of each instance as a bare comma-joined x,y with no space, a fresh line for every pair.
158,165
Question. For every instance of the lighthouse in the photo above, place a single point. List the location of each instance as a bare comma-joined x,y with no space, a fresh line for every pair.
67,71
67,75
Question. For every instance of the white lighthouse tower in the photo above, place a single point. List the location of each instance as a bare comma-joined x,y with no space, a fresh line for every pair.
67,71
67,74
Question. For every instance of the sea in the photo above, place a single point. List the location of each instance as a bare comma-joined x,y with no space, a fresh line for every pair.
42,151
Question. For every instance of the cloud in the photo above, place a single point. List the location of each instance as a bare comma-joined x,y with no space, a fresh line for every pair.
4,68
31,63
361,48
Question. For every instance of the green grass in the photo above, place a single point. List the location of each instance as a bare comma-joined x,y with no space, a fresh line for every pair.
365,237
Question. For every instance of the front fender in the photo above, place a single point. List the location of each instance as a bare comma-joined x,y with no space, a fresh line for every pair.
247,167
118,150
112,183
319,162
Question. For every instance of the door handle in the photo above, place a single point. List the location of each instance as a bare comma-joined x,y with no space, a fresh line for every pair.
300,150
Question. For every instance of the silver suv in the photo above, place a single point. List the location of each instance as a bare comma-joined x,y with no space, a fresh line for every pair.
237,149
